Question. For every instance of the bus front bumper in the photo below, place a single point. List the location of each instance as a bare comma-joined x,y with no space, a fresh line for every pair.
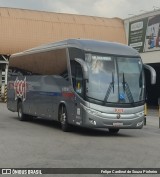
94,119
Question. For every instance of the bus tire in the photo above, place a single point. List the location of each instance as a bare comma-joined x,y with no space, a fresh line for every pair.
113,131
64,119
21,115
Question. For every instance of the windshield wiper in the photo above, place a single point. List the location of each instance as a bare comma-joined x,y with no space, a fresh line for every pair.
111,86
127,90
113,81
124,83
141,86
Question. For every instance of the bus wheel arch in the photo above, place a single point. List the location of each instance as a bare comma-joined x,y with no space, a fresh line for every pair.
63,117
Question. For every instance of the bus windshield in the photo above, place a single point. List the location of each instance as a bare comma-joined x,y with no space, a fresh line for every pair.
114,79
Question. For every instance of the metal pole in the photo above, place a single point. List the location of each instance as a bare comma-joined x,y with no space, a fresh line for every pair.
159,110
159,114
5,88
145,113
0,84
0,77
6,73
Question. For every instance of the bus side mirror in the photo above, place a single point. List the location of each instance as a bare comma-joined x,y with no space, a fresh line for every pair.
153,73
84,67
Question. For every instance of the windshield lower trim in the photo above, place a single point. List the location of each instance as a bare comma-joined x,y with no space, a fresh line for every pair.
114,104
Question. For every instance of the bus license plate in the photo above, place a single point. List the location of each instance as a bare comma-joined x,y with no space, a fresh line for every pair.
117,124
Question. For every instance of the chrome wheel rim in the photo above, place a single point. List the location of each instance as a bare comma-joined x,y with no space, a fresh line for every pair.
20,112
63,118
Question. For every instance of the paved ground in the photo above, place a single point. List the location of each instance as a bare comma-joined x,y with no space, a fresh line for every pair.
42,144
153,116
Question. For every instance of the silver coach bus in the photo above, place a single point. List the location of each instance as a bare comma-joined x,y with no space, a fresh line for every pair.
79,82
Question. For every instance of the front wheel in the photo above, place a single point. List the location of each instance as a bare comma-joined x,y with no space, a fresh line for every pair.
64,119
113,131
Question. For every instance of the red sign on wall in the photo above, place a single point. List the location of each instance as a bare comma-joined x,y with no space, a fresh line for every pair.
20,87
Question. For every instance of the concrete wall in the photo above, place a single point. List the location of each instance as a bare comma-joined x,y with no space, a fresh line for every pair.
151,57
147,57
25,29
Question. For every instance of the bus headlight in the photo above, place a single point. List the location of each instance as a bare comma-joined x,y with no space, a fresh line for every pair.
140,114
90,111
139,123
92,121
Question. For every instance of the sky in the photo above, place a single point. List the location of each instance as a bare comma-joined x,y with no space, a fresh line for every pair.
102,8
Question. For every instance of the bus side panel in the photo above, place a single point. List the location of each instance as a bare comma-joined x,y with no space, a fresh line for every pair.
46,93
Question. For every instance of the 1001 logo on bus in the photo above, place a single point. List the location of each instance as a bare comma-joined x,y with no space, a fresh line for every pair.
20,87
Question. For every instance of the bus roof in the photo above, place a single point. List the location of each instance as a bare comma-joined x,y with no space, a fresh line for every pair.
87,45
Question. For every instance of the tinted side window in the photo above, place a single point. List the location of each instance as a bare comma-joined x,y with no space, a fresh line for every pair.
44,63
76,53
76,70
77,77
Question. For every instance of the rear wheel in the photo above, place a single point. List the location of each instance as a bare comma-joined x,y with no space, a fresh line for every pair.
64,119
21,115
113,131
